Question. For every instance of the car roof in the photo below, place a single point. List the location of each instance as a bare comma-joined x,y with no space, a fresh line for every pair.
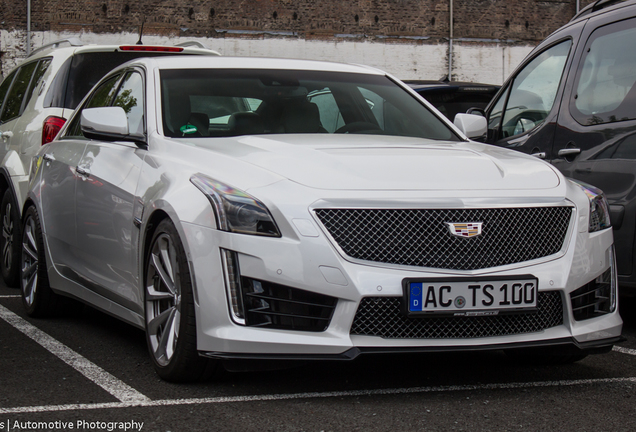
68,47
189,62
601,6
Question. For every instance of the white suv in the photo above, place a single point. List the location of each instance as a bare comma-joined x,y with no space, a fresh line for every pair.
36,99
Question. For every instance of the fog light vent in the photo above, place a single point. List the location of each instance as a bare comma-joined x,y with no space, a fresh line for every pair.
597,297
276,306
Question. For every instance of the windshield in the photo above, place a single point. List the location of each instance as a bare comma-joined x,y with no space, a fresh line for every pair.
221,102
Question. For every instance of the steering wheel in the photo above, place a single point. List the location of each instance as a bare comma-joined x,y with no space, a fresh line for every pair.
358,127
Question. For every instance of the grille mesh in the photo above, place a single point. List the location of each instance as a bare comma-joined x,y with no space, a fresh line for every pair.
382,316
420,237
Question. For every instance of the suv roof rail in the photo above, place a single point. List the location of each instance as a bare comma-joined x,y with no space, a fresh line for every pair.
191,44
57,43
596,6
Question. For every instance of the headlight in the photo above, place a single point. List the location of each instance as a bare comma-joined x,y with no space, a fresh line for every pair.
599,209
235,210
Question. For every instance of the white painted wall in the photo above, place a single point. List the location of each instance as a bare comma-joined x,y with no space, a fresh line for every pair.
488,61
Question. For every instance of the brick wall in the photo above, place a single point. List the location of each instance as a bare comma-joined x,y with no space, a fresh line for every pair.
524,20
407,37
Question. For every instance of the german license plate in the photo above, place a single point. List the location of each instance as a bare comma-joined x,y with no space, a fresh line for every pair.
471,296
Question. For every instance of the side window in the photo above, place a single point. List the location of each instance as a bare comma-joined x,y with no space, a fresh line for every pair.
13,103
4,88
605,90
101,97
533,91
494,120
104,94
130,97
43,65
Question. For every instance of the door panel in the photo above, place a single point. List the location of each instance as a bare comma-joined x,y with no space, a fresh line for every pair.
59,178
105,198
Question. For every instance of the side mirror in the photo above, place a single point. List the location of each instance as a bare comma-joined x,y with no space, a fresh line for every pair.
477,111
473,126
106,123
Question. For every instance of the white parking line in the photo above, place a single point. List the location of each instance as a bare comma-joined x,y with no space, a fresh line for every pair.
120,390
11,296
278,397
624,350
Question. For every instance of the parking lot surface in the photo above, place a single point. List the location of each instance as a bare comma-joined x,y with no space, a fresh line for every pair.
88,371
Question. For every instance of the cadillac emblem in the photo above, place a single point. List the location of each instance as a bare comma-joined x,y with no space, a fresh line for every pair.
469,229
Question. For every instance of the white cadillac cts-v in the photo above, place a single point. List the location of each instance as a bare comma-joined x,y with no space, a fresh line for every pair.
240,208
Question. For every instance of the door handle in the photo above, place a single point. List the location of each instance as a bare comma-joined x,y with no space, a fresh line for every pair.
6,135
569,152
84,172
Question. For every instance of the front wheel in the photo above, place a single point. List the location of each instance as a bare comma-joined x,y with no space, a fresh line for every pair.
37,297
170,315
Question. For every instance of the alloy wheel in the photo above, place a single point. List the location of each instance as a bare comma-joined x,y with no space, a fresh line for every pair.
7,234
29,261
163,299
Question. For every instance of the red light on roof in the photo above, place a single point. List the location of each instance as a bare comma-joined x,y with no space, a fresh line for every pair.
150,48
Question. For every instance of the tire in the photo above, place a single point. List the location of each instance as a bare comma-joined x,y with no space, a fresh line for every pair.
169,310
37,297
545,356
10,240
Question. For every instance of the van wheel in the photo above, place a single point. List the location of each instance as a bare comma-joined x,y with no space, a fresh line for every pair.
170,317
10,240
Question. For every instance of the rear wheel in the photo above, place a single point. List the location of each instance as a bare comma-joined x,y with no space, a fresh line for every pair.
37,297
170,315
10,240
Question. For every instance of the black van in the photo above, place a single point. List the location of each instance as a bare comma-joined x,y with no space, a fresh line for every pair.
572,102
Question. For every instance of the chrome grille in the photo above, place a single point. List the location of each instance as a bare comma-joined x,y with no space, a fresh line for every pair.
383,317
421,237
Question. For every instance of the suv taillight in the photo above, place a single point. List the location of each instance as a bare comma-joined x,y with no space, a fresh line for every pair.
51,127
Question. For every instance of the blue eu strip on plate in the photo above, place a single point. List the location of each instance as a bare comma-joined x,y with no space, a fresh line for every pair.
415,297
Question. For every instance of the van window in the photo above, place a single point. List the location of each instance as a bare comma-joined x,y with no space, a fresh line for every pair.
605,90
534,90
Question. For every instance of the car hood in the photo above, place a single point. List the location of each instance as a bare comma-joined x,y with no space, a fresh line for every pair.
372,162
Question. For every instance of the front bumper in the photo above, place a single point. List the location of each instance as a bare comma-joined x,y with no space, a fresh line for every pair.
310,263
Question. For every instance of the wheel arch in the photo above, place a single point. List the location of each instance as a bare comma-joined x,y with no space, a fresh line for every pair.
150,227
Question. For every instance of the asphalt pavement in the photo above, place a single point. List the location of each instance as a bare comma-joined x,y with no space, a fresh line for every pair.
89,372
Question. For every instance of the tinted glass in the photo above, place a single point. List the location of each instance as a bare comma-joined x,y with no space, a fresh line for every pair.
13,104
534,90
4,87
131,98
101,97
290,103
43,65
87,69
605,90
450,103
